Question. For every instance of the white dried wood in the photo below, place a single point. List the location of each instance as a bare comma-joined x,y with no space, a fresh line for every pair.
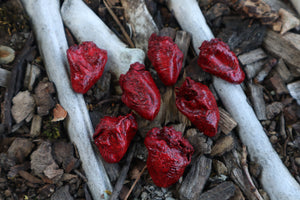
274,173
87,26
294,89
49,31
296,4
252,56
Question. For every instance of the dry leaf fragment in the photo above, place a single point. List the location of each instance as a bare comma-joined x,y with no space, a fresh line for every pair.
59,113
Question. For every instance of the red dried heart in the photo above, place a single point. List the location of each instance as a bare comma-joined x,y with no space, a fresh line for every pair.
87,63
166,58
113,136
140,92
169,154
216,58
196,101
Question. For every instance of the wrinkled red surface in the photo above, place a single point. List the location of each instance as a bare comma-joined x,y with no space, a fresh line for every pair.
166,58
216,58
87,64
113,136
196,101
140,92
168,155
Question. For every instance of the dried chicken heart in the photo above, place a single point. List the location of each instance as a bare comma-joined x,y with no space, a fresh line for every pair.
87,63
168,155
113,136
140,92
196,101
166,58
216,58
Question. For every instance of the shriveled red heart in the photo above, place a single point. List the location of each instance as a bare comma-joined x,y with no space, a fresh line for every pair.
113,136
166,58
216,58
196,101
87,63
140,92
169,154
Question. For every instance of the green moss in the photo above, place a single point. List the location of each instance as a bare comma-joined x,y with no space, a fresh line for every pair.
51,130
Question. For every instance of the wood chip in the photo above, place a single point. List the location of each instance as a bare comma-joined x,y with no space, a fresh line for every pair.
222,146
201,143
32,73
4,77
217,10
20,149
53,172
252,56
283,71
294,89
220,167
13,171
265,70
23,106
43,97
195,72
62,194
64,155
27,176
183,40
252,69
41,158
278,84
257,97
223,191
289,21
59,113
196,178
273,109
226,123
281,48
293,38
36,126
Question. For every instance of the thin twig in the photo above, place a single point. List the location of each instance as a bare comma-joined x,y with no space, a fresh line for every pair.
113,98
15,79
135,182
246,171
123,174
128,39
81,175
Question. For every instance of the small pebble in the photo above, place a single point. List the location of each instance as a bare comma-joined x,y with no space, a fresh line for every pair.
273,139
7,193
297,161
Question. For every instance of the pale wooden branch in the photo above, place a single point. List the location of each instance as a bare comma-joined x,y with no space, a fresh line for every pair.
87,26
296,4
49,31
274,174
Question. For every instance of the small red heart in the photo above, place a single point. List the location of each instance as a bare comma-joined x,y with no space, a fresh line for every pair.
216,58
87,63
166,58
